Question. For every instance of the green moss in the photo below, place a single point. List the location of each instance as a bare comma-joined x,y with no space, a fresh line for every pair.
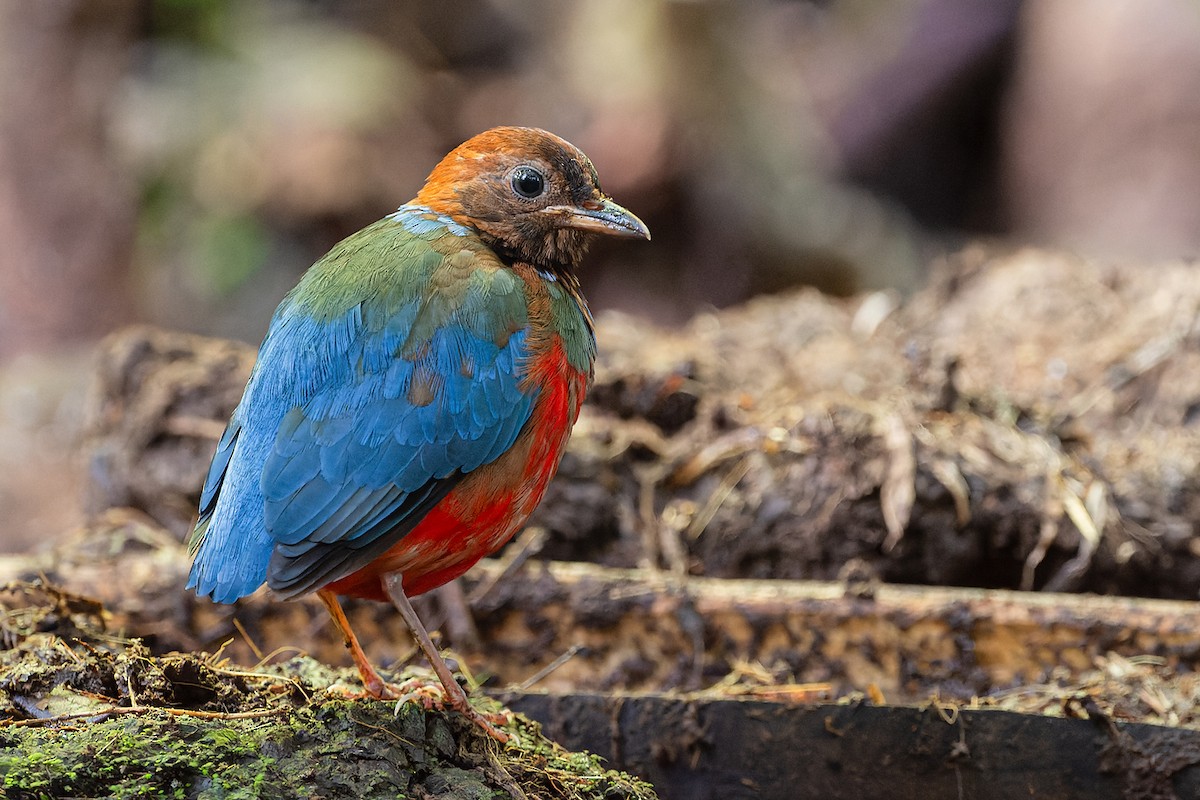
119,757
332,748
200,729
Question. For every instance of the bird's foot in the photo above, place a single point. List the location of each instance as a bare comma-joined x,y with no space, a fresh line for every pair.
416,690
488,722
485,720
380,691
431,696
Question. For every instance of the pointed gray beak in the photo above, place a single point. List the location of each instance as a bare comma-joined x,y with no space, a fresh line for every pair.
600,216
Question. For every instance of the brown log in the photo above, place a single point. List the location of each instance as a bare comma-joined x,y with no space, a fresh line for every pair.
719,749
648,630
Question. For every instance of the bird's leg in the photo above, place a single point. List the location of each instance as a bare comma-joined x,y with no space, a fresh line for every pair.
375,685
455,696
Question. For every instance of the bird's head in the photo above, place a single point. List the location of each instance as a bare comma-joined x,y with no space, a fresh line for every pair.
531,196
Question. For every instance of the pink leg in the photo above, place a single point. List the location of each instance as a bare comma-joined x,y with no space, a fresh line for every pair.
375,685
455,696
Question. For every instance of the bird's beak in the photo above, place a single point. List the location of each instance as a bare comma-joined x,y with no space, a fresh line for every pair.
600,216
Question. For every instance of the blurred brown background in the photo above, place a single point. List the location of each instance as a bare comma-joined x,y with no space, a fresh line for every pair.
183,161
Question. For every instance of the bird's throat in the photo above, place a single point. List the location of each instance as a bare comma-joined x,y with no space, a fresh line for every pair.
552,261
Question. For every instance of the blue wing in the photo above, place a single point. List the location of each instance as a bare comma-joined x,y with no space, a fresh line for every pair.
353,427
363,461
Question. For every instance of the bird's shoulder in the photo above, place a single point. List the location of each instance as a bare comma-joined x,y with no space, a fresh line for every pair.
412,256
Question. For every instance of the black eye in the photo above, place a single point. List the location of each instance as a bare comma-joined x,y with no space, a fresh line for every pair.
528,182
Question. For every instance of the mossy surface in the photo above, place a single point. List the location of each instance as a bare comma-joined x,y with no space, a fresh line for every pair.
324,750
92,716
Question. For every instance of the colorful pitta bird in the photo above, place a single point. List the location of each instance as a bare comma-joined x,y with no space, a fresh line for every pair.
414,393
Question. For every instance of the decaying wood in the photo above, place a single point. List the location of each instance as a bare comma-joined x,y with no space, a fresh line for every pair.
620,629
718,749
161,400
651,631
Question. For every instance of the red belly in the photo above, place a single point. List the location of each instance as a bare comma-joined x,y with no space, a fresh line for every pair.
442,547
491,504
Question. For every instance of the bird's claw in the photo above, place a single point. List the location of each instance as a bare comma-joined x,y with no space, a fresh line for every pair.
429,696
488,722
381,691
346,692
432,697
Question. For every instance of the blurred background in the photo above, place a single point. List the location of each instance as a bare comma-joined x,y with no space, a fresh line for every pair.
181,162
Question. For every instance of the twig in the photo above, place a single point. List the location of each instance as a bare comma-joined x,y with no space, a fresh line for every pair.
717,499
570,653
133,701
121,710
528,544
237,623
297,650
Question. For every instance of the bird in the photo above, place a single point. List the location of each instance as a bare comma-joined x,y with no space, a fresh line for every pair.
414,394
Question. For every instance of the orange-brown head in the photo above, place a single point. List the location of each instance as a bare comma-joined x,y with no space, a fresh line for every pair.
532,196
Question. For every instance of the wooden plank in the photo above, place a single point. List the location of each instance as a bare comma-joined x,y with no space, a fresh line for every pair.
703,749
647,630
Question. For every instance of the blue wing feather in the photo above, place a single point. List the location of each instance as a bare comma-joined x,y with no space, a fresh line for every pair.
216,471
332,456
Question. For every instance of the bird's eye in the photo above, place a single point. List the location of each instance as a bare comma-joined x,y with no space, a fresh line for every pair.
528,182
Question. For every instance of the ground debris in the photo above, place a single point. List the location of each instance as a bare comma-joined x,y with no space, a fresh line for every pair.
1134,689
83,715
